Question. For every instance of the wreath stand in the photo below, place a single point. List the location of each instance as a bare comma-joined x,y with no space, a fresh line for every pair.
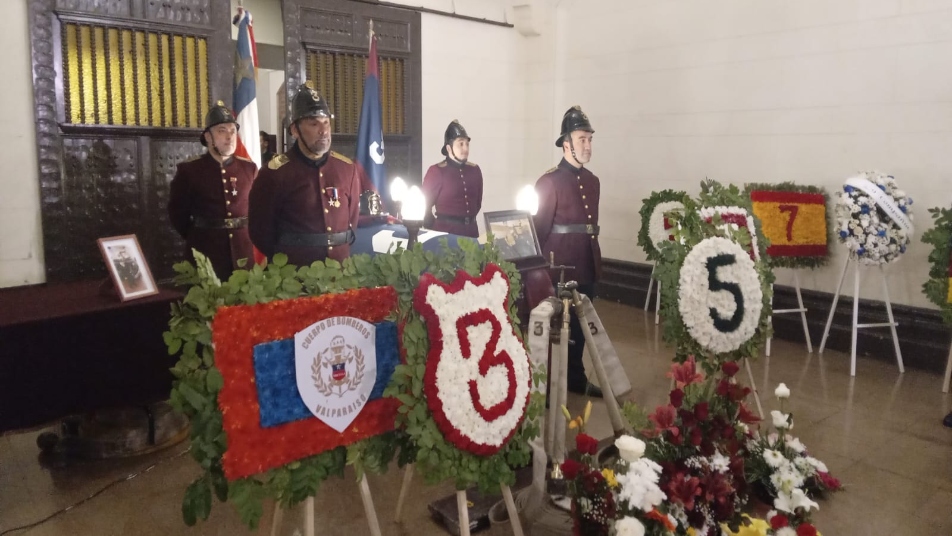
462,504
857,326
948,374
651,282
800,309
310,518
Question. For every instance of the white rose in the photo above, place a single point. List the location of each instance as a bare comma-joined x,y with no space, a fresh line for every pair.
629,526
630,448
780,420
795,444
782,391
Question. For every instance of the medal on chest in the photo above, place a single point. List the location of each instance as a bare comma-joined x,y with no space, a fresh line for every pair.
332,197
234,186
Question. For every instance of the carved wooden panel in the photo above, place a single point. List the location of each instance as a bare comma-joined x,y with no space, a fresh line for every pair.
98,197
320,26
186,12
391,35
103,180
109,8
169,246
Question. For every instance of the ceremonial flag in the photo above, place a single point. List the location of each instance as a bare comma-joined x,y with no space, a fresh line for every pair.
370,151
245,103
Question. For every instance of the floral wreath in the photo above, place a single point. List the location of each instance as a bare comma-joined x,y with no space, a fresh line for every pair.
716,286
414,437
459,380
780,207
873,218
937,288
654,226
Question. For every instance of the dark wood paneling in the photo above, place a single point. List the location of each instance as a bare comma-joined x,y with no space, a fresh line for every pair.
98,180
923,338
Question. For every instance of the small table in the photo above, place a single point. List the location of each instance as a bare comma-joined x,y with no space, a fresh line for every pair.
67,348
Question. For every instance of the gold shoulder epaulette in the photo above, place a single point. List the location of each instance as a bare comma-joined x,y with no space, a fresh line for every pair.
468,163
551,170
245,159
278,161
441,164
342,158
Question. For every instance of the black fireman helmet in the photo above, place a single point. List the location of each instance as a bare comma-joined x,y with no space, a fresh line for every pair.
453,131
574,119
218,114
309,103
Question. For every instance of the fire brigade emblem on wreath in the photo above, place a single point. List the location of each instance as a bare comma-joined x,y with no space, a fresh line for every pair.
336,366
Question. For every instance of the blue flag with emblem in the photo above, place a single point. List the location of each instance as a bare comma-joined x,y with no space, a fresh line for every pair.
370,146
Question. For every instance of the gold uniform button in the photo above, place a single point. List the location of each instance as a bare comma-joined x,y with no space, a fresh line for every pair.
580,187
330,248
583,197
589,216
328,228
586,206
230,235
222,171
321,174
223,181
229,213
227,202
326,211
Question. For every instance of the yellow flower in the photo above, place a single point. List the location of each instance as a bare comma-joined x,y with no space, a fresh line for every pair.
691,531
757,527
588,412
610,477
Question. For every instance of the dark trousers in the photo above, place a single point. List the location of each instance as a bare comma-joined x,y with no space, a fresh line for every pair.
576,373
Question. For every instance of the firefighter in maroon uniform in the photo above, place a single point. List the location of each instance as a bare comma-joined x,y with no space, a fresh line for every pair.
567,227
208,197
306,202
454,187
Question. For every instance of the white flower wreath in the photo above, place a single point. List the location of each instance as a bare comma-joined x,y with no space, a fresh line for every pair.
656,230
719,295
873,218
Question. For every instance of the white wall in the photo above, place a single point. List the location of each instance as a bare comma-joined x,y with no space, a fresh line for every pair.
265,19
21,237
764,91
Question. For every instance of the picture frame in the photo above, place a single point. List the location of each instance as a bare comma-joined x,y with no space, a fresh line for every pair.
127,267
514,235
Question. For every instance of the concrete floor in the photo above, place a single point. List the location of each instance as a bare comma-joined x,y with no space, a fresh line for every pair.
880,433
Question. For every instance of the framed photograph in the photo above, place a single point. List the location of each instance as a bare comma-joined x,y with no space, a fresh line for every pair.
514,234
128,267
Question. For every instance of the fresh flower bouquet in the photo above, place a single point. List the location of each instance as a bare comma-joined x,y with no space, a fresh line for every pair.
780,467
875,223
621,499
699,440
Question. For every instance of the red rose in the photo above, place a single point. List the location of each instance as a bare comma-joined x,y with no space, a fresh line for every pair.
570,469
677,398
701,411
730,368
586,444
829,481
806,529
777,522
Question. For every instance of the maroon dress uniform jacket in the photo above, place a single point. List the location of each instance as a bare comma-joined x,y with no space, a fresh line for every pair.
456,190
569,196
203,190
295,194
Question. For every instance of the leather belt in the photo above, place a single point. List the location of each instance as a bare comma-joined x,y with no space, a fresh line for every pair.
225,223
581,228
465,220
318,240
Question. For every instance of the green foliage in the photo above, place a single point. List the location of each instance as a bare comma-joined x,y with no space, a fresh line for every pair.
936,288
647,207
415,439
798,262
689,230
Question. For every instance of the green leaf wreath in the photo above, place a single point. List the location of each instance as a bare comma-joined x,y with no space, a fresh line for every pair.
798,262
415,437
647,208
690,229
936,288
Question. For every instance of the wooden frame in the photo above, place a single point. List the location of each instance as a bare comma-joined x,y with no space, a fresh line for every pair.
514,234
127,266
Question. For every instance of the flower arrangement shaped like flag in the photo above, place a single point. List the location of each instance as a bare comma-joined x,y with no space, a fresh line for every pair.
370,145
245,103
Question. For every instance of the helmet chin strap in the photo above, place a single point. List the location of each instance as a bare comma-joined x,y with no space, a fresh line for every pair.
572,148
453,155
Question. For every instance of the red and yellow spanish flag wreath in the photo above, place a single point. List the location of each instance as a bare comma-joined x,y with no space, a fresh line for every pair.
793,222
